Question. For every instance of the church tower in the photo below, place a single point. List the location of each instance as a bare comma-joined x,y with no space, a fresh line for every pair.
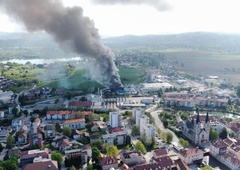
197,128
207,126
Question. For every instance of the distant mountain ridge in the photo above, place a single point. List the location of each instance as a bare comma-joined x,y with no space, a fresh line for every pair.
195,39
183,40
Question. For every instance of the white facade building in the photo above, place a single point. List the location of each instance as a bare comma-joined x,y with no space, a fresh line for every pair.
136,113
149,130
142,121
115,119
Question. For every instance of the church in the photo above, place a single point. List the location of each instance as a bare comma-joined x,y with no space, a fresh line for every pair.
197,129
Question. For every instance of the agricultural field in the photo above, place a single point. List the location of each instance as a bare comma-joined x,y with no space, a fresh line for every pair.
207,63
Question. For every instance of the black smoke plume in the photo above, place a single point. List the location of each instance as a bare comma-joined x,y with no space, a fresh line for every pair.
160,5
69,28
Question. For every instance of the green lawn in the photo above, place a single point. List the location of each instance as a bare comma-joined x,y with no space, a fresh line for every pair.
131,75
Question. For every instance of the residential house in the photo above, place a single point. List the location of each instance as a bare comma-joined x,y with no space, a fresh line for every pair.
95,127
64,144
181,165
58,115
132,158
165,162
3,135
29,156
108,162
235,129
43,165
76,134
35,139
191,155
218,147
49,131
159,153
88,149
231,161
94,138
36,122
17,123
22,137
74,123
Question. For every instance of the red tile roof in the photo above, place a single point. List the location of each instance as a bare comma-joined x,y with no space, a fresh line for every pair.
86,113
164,162
160,152
73,121
219,144
228,141
58,112
45,165
191,151
149,166
80,104
108,160
64,143
181,164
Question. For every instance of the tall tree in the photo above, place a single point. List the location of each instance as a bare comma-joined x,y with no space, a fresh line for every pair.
224,133
95,155
140,147
135,130
56,156
58,127
10,142
67,131
98,143
213,134
169,137
112,150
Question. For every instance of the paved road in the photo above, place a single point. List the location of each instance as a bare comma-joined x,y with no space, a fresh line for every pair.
159,123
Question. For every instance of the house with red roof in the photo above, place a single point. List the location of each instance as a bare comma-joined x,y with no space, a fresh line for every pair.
165,162
109,162
64,144
159,153
191,155
58,115
218,147
235,129
43,165
74,123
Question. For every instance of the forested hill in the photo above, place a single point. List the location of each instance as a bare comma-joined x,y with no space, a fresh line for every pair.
185,40
204,41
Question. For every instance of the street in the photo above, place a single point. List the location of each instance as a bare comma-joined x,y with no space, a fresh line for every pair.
159,124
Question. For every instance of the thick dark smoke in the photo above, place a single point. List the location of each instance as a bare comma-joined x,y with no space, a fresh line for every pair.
70,28
160,5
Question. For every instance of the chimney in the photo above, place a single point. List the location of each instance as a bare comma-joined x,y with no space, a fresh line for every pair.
49,166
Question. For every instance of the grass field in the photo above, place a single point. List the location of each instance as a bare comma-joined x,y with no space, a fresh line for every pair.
131,75
78,80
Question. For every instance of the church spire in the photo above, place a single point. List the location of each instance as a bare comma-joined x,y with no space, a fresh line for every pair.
198,117
207,117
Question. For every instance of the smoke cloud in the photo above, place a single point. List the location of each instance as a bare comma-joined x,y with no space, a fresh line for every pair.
69,28
160,5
